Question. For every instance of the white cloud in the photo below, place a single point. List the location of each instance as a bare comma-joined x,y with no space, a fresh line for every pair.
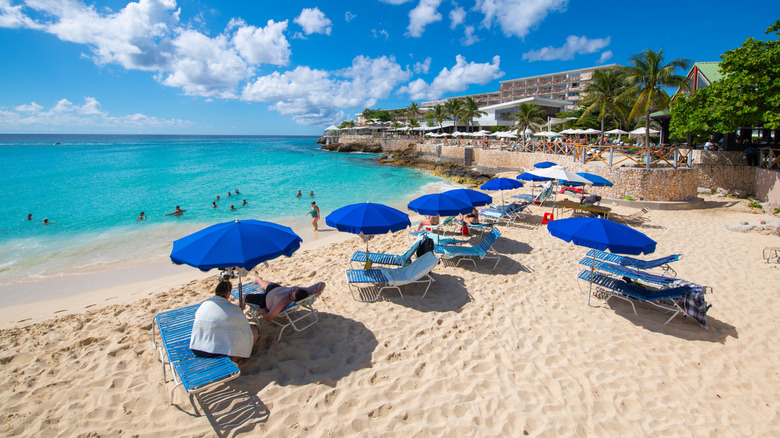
423,67
263,45
517,17
349,16
604,57
312,20
32,107
204,66
457,16
395,2
574,46
380,33
424,14
147,35
458,78
312,96
66,115
468,36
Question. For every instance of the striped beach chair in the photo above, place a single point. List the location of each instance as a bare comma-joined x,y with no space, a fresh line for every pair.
631,262
471,253
194,374
299,315
370,283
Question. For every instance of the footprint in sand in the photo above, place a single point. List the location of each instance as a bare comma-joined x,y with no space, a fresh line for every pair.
60,311
109,298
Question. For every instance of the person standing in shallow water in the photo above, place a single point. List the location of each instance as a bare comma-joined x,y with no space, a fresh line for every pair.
315,214
299,194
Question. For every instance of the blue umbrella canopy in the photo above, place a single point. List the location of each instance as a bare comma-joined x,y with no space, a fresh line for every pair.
602,234
240,244
544,165
439,204
525,176
597,180
368,219
474,197
501,184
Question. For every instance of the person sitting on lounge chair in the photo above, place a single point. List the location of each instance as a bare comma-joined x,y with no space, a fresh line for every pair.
427,221
221,329
278,297
471,218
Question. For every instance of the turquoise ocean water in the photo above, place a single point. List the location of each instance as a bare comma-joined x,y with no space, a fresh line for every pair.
92,188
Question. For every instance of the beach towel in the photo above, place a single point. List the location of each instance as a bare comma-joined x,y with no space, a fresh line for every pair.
692,302
220,327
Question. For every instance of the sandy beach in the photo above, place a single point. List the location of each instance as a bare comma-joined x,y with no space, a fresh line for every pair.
510,352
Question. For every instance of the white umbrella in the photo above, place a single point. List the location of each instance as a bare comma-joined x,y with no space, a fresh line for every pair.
642,131
591,131
332,128
546,134
569,131
616,131
560,172
482,133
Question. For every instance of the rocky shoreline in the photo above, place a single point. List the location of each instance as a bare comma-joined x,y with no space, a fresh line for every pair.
409,158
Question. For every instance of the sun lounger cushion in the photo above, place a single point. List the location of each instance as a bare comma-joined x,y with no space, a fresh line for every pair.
411,273
648,264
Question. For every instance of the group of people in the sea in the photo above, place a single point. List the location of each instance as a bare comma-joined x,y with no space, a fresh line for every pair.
45,221
179,211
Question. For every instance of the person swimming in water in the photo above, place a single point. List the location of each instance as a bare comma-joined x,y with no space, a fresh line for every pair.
142,216
299,194
177,212
311,193
244,203
213,204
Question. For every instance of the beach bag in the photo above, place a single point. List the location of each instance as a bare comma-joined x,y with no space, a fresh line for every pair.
426,245
464,229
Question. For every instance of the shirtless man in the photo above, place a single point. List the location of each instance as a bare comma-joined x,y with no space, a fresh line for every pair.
278,297
177,212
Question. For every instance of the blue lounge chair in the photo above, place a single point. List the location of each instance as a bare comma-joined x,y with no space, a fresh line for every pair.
194,374
510,214
631,262
622,271
418,272
299,315
385,259
675,299
470,253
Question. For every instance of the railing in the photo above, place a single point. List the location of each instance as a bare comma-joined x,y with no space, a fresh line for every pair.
645,156
769,158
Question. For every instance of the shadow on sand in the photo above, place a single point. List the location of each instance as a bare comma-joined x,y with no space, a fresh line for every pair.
684,327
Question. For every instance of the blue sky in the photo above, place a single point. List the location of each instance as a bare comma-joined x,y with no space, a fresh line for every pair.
295,67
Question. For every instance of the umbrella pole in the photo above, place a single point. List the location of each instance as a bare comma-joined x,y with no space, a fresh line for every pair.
240,291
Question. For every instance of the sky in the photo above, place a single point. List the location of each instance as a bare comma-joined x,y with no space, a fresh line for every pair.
295,67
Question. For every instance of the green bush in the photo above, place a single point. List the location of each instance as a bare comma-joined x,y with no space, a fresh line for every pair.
754,204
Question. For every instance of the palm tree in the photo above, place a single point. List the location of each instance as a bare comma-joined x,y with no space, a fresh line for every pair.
437,114
603,95
646,76
413,109
454,108
528,115
471,110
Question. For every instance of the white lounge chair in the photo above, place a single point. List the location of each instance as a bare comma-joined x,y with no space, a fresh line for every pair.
391,278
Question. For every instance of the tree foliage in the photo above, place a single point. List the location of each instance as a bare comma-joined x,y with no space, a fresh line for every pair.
748,94
605,96
471,110
528,115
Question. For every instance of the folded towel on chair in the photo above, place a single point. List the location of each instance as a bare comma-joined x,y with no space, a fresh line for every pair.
692,302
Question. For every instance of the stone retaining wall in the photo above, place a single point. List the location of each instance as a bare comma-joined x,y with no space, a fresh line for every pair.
722,169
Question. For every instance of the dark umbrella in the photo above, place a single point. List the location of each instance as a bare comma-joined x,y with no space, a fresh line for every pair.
544,165
501,184
235,244
603,235
475,198
597,180
367,219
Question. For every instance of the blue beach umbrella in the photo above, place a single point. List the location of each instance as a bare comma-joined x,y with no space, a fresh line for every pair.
544,165
236,244
601,234
366,219
525,176
475,198
439,204
597,180
501,184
